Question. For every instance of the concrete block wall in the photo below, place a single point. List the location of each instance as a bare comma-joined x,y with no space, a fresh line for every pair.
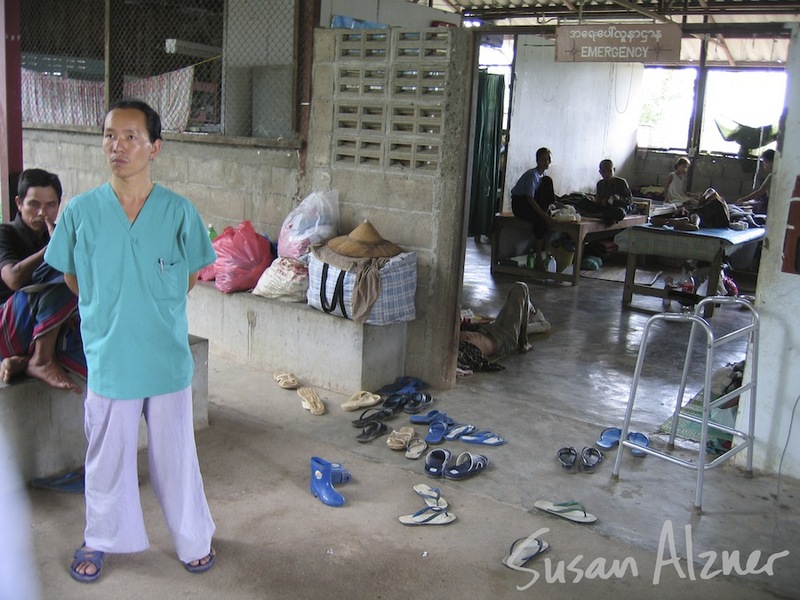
389,131
732,177
229,181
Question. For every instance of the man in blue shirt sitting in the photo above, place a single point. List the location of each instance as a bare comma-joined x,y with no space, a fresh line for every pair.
531,198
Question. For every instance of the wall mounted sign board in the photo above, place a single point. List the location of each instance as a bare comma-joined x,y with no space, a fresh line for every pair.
654,43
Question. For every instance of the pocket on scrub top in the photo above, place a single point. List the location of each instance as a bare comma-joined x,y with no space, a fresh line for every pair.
170,280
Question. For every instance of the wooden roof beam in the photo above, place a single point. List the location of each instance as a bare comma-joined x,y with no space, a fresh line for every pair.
642,11
719,39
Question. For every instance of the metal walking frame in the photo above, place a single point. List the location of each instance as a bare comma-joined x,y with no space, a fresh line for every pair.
749,387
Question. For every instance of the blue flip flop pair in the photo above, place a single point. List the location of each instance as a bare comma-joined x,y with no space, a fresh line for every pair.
440,431
483,438
430,417
403,385
438,464
610,436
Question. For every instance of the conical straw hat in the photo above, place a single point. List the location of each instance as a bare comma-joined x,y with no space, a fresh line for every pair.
364,242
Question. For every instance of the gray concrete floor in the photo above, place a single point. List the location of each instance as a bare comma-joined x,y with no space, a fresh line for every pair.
275,540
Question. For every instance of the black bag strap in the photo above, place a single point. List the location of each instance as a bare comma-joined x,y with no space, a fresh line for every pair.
338,292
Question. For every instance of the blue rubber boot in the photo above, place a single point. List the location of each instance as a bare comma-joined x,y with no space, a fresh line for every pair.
321,481
339,474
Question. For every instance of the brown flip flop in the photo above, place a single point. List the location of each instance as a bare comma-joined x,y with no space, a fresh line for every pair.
286,380
311,401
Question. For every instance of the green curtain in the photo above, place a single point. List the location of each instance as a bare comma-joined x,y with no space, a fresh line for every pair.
484,201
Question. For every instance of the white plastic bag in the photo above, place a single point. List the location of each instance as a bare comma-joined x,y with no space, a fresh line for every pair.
286,279
313,221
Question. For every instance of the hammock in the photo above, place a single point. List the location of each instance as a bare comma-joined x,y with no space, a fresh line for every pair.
748,138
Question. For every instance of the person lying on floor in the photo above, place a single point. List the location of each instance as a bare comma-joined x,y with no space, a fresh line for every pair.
481,345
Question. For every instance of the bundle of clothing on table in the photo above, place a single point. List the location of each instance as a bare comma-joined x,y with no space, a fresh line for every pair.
586,205
710,211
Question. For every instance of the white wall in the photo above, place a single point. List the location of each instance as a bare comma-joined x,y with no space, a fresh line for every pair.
587,111
583,112
777,302
396,13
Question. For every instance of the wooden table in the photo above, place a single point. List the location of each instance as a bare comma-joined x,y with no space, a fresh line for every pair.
711,245
512,237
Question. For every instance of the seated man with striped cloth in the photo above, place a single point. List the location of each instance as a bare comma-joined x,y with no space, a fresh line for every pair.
39,314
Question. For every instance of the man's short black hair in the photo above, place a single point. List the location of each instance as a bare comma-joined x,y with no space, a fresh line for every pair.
768,155
152,120
542,152
37,178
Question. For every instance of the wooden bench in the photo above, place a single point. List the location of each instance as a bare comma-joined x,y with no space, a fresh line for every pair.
513,237
44,426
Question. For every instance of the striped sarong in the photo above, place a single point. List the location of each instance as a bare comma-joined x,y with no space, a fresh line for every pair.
28,314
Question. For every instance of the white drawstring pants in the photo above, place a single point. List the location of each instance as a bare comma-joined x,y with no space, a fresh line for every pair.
114,520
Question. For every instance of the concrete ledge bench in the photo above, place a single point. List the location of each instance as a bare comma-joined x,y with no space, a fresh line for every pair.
322,350
44,426
513,237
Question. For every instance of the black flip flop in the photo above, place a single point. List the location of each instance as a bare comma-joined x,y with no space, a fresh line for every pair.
372,431
397,402
568,457
418,402
590,458
371,415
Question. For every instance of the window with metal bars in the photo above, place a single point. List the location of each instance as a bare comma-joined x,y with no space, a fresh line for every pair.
226,67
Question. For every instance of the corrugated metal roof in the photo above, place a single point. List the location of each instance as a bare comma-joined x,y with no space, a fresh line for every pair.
761,10
739,32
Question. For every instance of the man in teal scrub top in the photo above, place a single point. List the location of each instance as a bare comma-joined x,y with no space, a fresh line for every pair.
130,249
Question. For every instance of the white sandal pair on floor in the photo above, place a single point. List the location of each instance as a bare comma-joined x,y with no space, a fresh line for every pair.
435,511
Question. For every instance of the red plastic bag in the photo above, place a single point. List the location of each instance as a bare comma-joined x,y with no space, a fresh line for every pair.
242,256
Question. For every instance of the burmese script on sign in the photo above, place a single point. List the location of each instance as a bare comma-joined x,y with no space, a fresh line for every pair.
618,43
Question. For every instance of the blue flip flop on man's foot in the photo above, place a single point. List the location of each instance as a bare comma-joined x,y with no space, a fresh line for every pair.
84,555
202,567
609,438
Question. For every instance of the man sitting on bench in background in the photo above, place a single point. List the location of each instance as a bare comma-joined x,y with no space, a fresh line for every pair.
531,198
612,200
40,330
